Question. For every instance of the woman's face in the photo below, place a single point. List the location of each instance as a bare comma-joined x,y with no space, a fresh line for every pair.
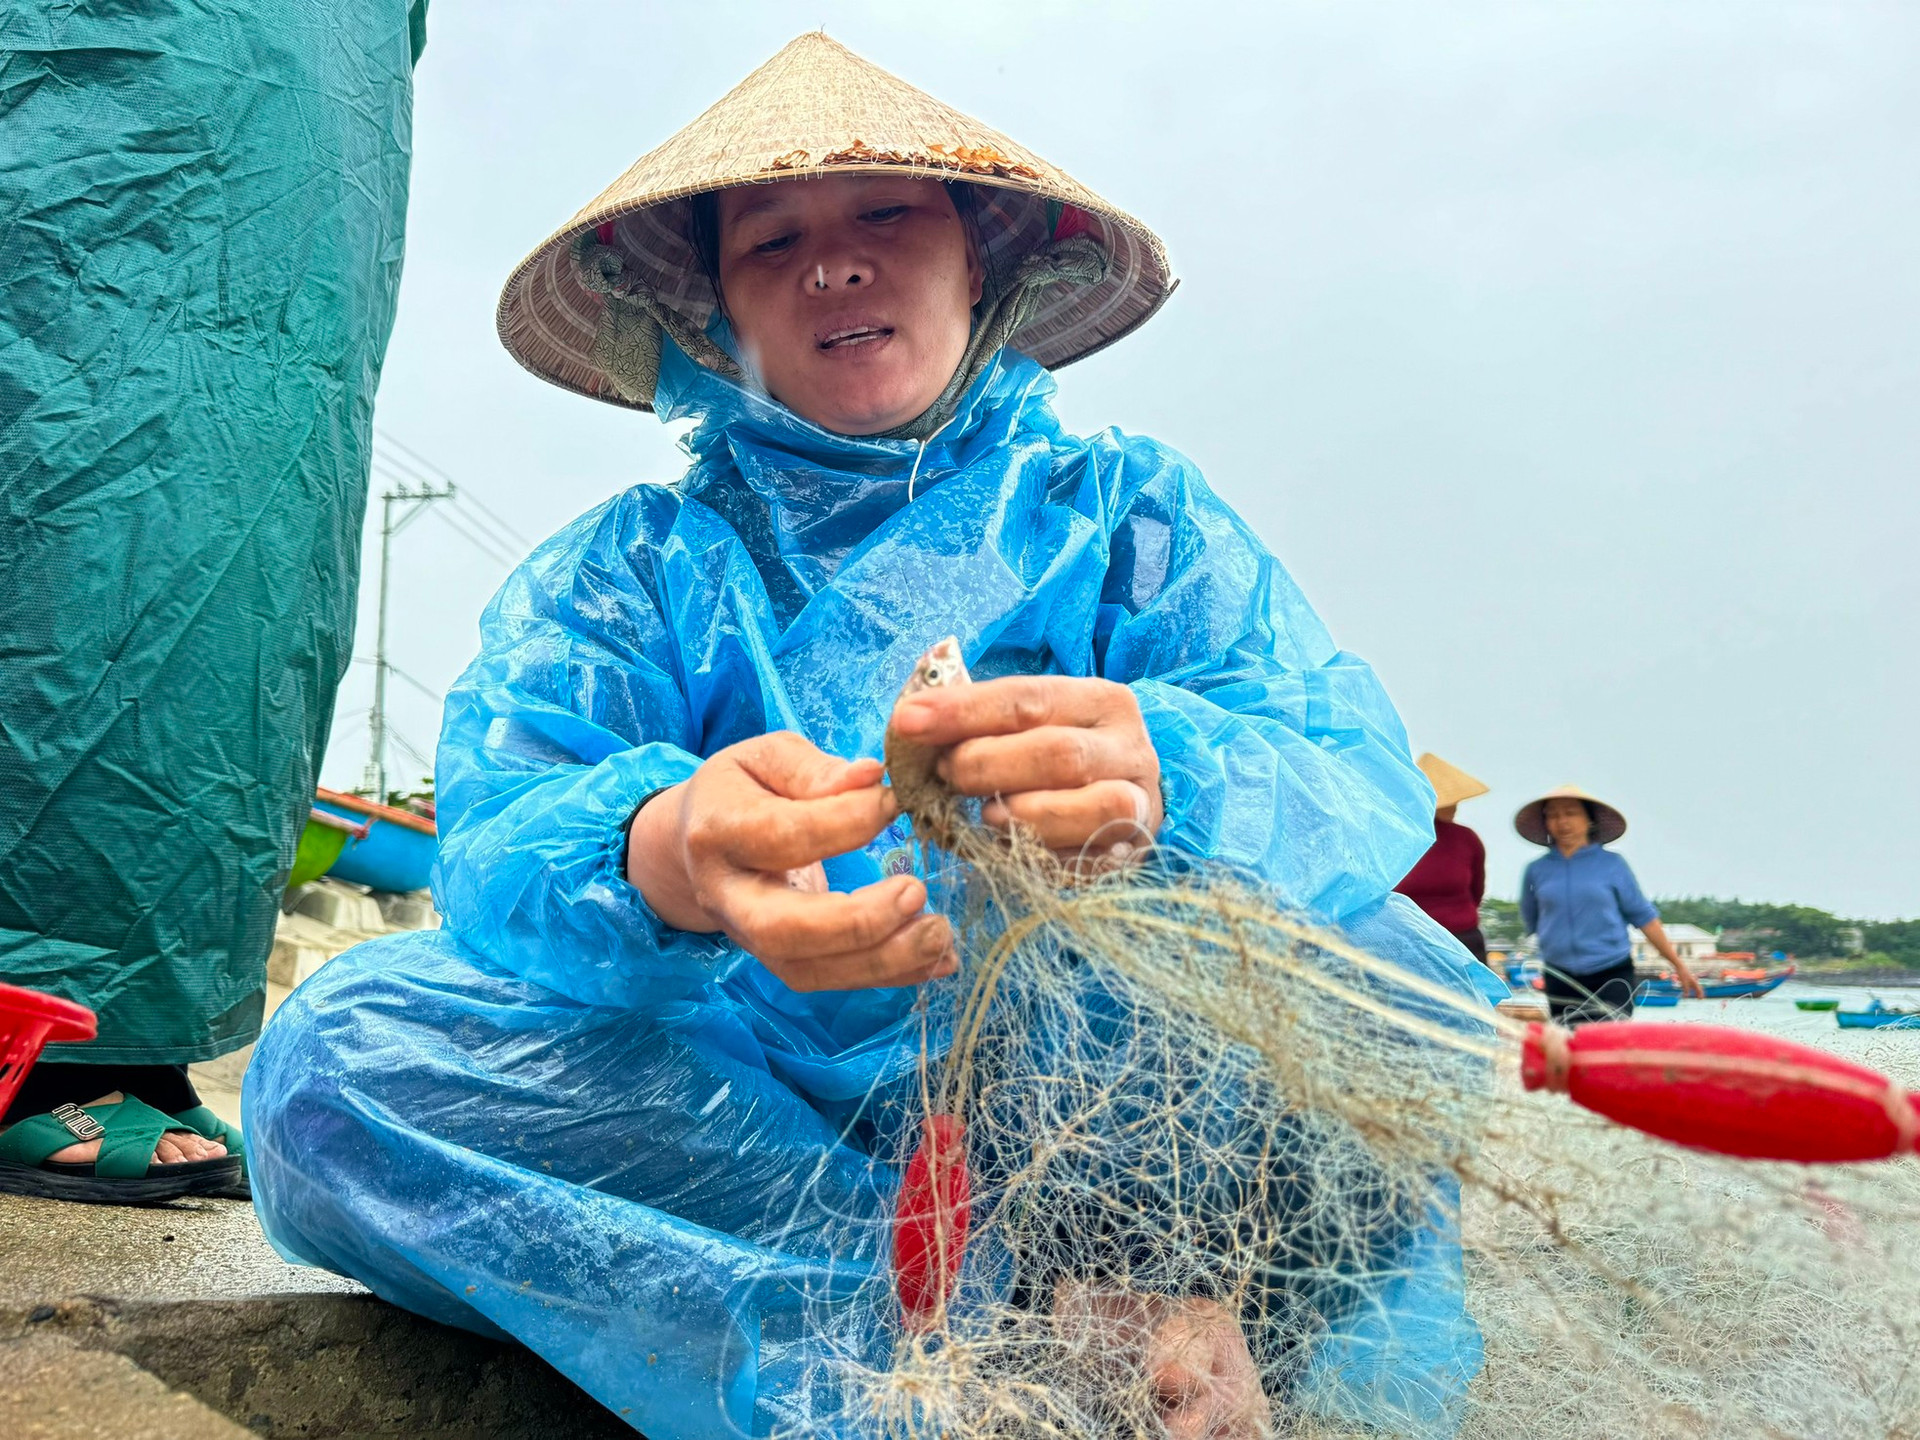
851,295
1568,822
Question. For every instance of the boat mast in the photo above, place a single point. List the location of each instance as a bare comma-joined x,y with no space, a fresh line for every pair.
374,782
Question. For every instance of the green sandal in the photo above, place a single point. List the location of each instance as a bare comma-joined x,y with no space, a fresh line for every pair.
124,1173
209,1126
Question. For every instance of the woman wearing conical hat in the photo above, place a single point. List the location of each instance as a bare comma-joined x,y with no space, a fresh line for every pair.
638,1103
1450,880
1578,899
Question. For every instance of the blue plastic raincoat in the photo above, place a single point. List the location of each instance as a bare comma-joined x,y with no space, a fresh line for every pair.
633,1148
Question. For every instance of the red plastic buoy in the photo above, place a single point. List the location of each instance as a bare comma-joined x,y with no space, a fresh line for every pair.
30,1021
1734,1092
930,1223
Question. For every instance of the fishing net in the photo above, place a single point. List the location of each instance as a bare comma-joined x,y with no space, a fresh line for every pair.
1157,1114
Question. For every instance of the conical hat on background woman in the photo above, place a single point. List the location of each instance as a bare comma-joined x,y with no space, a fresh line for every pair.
1450,783
815,109
1608,823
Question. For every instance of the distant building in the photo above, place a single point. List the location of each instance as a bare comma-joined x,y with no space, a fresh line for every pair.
1694,945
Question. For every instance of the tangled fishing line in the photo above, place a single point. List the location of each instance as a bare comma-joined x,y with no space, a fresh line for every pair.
1184,1107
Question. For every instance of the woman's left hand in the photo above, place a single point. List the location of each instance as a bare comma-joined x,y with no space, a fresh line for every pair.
1067,758
1689,983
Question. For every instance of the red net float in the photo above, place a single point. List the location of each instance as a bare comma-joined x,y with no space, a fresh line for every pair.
1733,1092
930,1223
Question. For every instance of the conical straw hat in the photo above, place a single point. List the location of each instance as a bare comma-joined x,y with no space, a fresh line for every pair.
816,108
1450,783
1531,821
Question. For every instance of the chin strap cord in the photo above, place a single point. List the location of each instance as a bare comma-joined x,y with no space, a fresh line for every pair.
921,454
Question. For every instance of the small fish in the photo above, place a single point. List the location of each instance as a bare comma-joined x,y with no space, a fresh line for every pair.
941,666
922,794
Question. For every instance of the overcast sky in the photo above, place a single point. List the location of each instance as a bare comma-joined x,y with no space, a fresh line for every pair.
1567,354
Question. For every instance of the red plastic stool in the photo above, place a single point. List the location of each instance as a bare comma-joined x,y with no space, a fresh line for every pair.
29,1021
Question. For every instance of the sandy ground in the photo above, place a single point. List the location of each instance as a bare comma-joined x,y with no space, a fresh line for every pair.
218,1081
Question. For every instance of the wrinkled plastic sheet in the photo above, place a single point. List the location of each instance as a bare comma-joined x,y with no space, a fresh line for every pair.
202,241
635,1149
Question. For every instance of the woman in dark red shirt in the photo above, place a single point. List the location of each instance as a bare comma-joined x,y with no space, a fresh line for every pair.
1450,878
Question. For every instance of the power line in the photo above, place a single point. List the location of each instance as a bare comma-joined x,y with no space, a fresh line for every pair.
415,501
418,482
488,544
381,433
489,548
465,529
466,494
501,534
439,697
483,512
411,749
477,512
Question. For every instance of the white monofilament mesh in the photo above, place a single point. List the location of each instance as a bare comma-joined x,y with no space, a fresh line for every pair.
1175,1090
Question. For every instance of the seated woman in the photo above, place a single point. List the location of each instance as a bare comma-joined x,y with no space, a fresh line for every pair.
631,1106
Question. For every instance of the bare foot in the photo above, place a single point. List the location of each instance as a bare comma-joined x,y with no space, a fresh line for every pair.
175,1147
1204,1384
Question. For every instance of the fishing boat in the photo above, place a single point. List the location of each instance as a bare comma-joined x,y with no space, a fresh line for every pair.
1522,973
1878,1017
321,842
1724,989
396,850
1647,995
1816,1004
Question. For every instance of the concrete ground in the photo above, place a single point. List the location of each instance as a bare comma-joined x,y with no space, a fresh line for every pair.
180,1322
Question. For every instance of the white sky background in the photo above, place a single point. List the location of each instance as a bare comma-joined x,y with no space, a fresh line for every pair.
1567,354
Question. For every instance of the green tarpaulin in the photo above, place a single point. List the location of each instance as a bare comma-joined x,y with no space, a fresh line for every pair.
201,211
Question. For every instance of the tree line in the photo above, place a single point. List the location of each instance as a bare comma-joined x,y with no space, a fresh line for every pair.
1799,930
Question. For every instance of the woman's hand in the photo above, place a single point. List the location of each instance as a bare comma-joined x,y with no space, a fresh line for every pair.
737,849
1657,936
1069,759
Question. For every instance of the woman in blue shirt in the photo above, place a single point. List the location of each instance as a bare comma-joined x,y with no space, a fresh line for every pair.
1579,898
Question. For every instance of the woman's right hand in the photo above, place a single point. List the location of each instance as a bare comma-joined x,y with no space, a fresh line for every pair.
737,849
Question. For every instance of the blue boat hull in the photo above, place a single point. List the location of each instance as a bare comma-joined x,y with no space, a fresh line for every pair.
1655,998
391,857
1720,990
1871,1020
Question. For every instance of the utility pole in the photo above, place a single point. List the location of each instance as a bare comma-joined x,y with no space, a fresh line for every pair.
415,500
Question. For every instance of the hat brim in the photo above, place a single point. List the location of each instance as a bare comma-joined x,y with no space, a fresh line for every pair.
548,319
1451,784
1531,820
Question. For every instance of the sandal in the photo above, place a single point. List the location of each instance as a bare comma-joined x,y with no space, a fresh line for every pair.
209,1126
124,1173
